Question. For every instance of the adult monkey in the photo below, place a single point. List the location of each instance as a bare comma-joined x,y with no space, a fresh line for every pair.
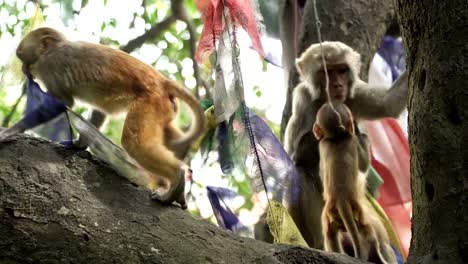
304,199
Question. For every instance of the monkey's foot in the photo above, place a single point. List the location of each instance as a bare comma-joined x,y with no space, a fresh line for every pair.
176,193
181,201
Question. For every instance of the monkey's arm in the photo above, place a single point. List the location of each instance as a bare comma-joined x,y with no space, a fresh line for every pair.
301,121
363,152
377,102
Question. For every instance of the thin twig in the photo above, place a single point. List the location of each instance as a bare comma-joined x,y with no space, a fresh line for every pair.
153,33
8,118
179,11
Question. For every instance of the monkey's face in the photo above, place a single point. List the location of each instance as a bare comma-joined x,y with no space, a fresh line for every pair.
339,78
35,44
28,53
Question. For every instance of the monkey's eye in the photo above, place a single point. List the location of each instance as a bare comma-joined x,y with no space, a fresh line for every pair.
343,71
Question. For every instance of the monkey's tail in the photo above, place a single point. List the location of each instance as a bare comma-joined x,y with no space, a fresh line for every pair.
346,213
198,125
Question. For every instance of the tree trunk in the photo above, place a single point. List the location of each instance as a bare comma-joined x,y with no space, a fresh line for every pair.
64,206
436,36
360,24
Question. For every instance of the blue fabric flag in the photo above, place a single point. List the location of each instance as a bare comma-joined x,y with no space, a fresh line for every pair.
273,161
224,216
45,114
393,52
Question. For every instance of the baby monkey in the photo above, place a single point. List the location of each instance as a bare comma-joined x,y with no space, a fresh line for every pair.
111,82
343,170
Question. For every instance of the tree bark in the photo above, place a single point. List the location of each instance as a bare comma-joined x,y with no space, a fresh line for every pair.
435,34
64,206
360,24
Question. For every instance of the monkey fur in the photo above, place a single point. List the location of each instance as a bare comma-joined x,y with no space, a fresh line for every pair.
112,81
344,187
365,102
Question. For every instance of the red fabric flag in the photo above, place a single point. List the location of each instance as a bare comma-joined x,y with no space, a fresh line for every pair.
390,158
241,14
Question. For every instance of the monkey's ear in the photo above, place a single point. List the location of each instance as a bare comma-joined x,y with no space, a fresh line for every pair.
47,42
300,64
317,131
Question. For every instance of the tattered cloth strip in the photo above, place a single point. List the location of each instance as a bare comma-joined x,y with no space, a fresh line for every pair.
45,114
240,12
282,226
277,166
219,199
267,163
106,150
389,145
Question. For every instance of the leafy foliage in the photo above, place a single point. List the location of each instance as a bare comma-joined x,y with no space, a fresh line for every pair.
170,53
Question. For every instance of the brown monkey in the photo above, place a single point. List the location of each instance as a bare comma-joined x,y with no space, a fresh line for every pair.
343,184
112,81
343,65
343,171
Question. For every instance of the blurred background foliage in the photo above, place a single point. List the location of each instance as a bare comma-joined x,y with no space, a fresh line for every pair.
121,24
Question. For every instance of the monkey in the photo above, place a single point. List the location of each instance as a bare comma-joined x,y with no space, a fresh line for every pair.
343,184
111,82
343,171
364,102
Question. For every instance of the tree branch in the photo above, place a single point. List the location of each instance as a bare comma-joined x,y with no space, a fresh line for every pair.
178,10
153,33
61,205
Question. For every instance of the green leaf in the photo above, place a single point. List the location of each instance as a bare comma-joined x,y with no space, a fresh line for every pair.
84,3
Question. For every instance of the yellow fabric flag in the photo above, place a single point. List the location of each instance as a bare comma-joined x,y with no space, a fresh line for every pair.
285,231
282,226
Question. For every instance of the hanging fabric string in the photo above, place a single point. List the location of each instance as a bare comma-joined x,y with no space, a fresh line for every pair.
318,25
296,26
245,111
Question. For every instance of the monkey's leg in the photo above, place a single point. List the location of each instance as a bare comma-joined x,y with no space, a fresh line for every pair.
172,133
97,119
143,139
383,253
347,217
331,239
379,240
330,230
370,240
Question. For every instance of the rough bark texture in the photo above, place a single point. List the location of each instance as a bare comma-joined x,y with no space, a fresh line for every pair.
359,23
436,39
64,206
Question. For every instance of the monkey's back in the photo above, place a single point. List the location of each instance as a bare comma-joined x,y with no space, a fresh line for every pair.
339,169
102,76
